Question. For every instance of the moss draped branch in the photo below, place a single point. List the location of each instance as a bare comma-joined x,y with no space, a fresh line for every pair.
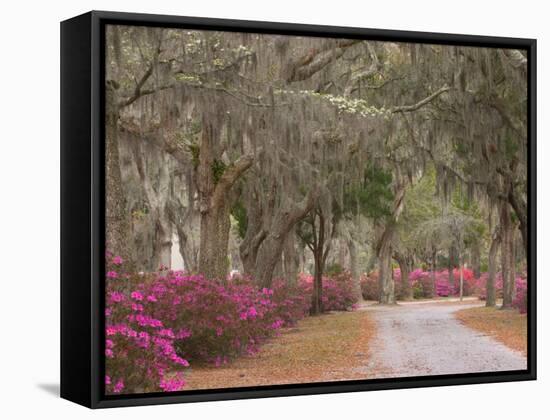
420,104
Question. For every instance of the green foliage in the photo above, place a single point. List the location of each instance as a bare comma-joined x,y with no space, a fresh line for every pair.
188,138
373,196
460,148
218,168
195,151
511,147
418,291
477,228
304,230
333,270
238,211
140,211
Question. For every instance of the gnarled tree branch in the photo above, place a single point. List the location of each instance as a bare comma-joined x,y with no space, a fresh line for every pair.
420,104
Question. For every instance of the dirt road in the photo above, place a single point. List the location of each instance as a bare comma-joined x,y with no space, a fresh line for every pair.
426,339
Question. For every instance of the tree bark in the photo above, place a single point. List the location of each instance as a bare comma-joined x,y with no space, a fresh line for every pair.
490,299
476,260
316,299
451,266
255,233
385,279
271,247
520,208
214,206
508,274
117,217
461,270
354,269
291,260
342,253
214,239
163,244
434,268
405,266
384,249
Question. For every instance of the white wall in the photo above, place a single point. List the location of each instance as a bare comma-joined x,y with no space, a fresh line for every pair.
29,227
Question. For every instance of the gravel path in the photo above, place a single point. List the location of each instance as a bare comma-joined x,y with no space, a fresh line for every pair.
426,339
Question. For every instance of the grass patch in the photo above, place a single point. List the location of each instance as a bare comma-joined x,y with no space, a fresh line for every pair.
320,348
508,326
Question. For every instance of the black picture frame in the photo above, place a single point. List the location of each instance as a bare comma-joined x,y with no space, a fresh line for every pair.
83,207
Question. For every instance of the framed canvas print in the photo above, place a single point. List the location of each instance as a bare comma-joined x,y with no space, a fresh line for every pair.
255,209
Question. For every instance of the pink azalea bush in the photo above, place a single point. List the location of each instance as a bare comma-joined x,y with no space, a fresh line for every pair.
215,322
140,354
337,293
369,286
422,284
520,300
157,323
482,288
469,284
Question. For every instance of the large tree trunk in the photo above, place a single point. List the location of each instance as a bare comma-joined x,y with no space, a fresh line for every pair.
354,269
255,234
342,253
154,169
271,247
317,296
163,244
278,272
187,251
320,249
214,242
117,217
186,221
385,278
507,256
291,260
214,206
476,260
384,249
520,209
405,266
434,268
451,266
490,299
461,270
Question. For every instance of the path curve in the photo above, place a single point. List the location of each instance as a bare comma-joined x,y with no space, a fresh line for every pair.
426,339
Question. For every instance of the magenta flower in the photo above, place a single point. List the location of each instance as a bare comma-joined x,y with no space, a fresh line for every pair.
172,384
112,274
117,296
167,332
183,333
136,295
117,260
138,307
119,386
